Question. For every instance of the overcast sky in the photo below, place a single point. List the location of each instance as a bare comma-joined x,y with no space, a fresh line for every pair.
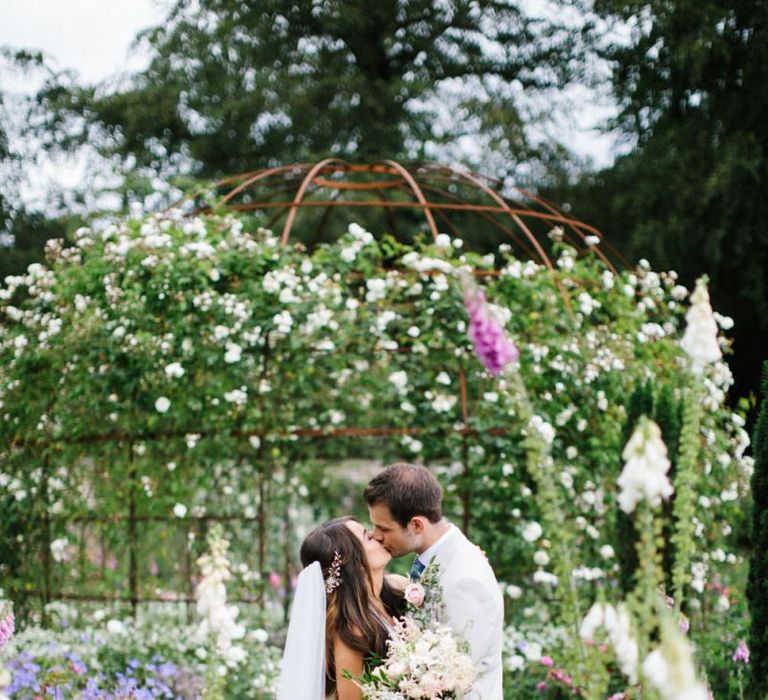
91,36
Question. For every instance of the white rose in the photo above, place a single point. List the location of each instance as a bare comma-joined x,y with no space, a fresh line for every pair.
162,404
399,379
443,240
174,370
115,627
606,551
59,549
532,532
540,557
233,354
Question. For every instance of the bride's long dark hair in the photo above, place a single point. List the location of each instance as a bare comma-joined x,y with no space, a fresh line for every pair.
350,613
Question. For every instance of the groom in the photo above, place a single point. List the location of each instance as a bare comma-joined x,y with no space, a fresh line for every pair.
404,502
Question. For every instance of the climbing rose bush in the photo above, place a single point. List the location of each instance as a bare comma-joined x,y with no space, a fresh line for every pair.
187,365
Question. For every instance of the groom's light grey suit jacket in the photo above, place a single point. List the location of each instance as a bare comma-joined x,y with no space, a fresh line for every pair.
474,607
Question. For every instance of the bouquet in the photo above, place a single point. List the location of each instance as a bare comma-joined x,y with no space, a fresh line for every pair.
425,659
421,664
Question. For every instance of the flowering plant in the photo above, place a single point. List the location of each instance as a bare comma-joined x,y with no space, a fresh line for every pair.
7,624
421,663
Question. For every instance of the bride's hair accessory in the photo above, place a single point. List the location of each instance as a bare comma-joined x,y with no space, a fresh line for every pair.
333,579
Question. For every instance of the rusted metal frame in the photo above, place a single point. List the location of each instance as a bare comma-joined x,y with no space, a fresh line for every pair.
286,206
513,214
488,217
186,571
357,186
577,227
557,215
221,183
466,496
300,195
550,206
417,193
262,460
299,432
288,545
117,518
553,275
455,178
581,226
255,177
388,213
323,221
516,218
93,597
133,563
447,222
508,211
45,597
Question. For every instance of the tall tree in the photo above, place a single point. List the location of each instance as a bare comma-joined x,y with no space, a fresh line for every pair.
757,585
23,233
233,85
690,196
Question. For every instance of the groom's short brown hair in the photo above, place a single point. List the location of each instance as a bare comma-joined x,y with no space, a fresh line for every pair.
408,490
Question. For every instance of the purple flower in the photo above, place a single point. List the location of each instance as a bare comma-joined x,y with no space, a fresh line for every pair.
492,346
741,653
7,627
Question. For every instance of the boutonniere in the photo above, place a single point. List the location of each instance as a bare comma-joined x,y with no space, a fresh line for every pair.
424,598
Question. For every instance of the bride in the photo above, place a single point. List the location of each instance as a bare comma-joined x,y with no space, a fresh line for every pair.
343,612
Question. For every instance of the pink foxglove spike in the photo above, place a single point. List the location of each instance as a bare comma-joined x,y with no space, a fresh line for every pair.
7,625
492,346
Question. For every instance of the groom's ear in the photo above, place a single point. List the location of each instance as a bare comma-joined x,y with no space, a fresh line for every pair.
418,524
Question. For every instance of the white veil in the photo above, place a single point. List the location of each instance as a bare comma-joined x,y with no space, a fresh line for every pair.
302,671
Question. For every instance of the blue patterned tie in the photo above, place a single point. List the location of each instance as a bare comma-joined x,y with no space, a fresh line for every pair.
417,568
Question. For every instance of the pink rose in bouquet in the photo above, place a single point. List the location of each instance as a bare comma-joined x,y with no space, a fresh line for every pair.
414,594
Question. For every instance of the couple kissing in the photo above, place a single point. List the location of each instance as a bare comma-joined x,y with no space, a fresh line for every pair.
346,607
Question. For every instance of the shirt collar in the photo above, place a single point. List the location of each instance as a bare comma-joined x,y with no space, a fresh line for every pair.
427,556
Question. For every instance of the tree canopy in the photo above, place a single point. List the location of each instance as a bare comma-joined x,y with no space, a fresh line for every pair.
691,193
233,85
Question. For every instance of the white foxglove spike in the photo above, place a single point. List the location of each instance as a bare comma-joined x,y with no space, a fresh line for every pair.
644,476
700,338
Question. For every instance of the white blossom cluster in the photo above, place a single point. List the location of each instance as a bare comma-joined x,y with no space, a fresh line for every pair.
670,670
617,624
218,618
158,626
421,665
644,476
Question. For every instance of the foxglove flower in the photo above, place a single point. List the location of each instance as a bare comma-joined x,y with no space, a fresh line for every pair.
741,653
644,476
7,625
218,618
700,338
670,669
492,346
618,626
